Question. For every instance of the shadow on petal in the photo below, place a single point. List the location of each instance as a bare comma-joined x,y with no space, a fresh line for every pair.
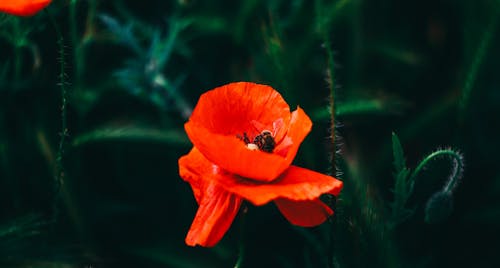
295,183
23,7
304,213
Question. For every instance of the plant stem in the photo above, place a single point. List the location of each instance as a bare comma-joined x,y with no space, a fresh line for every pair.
59,169
241,246
331,84
458,164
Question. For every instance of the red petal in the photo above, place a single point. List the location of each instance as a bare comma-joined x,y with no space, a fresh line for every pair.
192,168
295,183
300,126
230,109
23,7
214,216
231,154
304,213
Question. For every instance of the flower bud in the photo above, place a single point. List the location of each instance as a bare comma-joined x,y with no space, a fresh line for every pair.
439,207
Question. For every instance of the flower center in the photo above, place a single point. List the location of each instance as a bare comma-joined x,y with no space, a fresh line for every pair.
263,141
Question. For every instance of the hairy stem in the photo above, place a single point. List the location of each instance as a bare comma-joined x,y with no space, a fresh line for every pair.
59,174
456,174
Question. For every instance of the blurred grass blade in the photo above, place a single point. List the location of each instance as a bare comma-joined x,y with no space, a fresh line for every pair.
399,54
327,12
478,60
361,107
18,228
132,133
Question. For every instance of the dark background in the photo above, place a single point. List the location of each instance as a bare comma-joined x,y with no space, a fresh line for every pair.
426,70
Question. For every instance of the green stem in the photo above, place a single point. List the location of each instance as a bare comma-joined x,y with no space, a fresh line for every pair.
331,84
241,246
324,31
59,175
458,164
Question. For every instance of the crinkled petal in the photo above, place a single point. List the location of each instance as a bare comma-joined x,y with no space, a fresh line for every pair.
231,154
23,7
295,183
234,108
304,213
216,212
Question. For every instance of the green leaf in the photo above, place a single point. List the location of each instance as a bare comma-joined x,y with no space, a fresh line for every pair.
397,150
402,187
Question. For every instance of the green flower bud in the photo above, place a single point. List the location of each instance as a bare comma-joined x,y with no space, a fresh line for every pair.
439,207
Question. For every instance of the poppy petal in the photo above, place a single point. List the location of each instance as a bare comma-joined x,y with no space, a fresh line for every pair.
23,7
214,216
300,126
231,109
232,154
295,183
304,213
192,168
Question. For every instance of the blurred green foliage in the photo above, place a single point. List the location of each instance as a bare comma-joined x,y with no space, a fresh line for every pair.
133,71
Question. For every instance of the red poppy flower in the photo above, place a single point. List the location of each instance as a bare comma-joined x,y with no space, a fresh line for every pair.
23,7
245,139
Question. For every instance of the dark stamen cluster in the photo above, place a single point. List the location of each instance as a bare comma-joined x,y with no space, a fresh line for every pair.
264,141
